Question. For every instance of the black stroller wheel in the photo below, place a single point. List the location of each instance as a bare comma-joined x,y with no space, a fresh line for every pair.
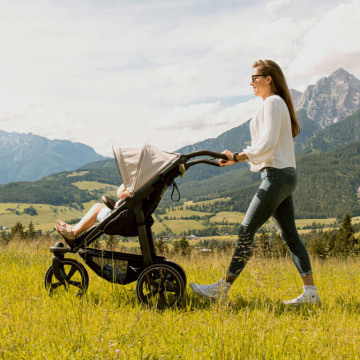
160,286
179,269
76,278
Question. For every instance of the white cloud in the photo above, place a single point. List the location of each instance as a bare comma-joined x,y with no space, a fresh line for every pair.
177,75
277,38
205,120
104,72
331,43
274,5
192,117
200,116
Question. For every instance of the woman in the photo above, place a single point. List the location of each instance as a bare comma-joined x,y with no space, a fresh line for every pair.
272,154
98,212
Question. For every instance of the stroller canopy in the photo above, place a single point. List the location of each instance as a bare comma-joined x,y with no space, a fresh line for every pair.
139,163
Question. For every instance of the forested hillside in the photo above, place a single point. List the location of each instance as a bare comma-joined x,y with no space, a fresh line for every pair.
58,189
335,135
328,185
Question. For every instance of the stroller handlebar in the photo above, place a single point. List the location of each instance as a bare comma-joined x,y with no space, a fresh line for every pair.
200,161
206,153
214,155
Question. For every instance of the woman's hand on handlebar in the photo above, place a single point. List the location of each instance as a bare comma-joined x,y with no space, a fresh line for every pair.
229,161
240,157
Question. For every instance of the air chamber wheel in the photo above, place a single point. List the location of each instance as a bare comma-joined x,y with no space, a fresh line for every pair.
179,269
75,276
160,286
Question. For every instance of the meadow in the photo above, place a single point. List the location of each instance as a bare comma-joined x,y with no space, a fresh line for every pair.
109,323
178,219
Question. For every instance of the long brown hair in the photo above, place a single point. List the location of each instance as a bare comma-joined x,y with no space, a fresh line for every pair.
279,87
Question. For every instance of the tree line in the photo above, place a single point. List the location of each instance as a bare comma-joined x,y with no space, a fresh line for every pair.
341,242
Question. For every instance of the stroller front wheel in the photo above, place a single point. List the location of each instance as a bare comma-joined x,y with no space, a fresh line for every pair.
74,278
160,286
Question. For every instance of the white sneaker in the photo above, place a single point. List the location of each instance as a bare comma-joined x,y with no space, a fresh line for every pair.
217,291
309,296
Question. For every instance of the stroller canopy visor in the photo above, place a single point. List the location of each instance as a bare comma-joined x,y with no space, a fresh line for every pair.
138,164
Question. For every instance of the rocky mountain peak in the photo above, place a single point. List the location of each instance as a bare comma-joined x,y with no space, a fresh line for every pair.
331,99
340,73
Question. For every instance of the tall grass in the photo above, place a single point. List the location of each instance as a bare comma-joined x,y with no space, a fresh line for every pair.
109,323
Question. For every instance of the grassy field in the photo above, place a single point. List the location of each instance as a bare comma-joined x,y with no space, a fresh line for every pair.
109,323
48,214
306,222
46,218
207,202
94,185
229,217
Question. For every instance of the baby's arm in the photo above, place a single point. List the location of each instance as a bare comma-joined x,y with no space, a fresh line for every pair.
122,193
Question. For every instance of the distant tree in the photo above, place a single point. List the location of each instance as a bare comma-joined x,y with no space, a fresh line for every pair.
4,238
278,247
30,211
161,246
17,231
345,243
31,232
182,246
263,245
176,247
319,244
111,242
96,244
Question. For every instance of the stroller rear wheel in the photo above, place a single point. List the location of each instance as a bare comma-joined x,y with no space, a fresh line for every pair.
160,286
179,269
75,278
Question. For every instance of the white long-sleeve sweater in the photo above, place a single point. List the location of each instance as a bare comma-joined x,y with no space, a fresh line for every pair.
271,137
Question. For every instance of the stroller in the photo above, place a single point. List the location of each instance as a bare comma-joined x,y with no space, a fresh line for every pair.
146,172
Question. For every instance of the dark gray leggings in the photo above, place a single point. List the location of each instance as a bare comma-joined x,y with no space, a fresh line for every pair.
273,198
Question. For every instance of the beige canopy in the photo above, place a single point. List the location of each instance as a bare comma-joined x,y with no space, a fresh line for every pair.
139,163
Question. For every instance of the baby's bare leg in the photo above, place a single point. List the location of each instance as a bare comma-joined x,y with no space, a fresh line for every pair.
88,220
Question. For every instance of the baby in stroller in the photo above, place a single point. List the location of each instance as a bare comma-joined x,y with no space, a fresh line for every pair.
98,212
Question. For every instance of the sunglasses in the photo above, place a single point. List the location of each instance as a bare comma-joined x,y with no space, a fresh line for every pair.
255,77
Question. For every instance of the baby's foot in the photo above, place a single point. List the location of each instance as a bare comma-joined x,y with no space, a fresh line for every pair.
65,230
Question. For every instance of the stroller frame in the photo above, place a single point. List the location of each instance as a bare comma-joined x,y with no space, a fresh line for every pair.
160,282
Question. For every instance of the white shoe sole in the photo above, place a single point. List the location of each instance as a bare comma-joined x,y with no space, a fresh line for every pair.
290,303
198,292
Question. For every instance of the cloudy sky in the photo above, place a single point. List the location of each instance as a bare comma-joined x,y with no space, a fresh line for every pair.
171,73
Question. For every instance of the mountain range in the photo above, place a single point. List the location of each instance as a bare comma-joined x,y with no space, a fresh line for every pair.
30,157
327,150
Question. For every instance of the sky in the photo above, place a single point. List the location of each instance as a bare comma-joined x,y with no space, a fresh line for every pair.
170,73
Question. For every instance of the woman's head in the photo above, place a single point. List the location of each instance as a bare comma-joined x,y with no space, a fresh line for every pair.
276,81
